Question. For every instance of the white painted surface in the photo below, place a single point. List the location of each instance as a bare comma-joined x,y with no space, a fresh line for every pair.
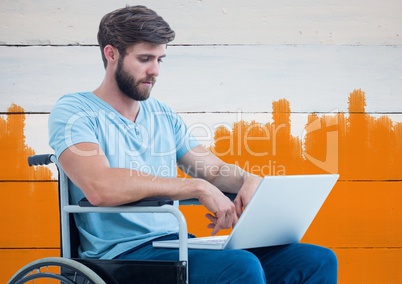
217,78
361,22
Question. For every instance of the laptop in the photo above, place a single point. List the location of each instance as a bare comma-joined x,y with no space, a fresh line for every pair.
279,213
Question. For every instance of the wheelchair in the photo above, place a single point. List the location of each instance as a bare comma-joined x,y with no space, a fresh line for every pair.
70,269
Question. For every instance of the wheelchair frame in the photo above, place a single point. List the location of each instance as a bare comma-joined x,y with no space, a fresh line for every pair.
85,270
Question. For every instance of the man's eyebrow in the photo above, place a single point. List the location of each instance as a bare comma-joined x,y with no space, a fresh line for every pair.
151,55
162,56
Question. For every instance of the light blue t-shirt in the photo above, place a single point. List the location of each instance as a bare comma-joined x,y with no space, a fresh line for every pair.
152,145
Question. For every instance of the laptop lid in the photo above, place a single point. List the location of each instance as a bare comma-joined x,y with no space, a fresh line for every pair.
281,210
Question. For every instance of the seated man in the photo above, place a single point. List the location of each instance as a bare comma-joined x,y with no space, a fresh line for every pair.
118,145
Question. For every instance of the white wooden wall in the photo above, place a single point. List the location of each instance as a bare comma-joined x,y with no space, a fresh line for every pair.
325,22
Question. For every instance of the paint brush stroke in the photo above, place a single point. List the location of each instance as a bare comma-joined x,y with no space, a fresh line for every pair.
13,150
357,145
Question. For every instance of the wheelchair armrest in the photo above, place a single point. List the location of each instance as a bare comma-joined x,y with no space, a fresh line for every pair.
194,201
141,203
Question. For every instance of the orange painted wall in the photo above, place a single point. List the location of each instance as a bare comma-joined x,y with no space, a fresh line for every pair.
361,219
28,200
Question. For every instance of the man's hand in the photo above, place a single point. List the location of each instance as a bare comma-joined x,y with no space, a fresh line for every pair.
201,164
223,209
245,193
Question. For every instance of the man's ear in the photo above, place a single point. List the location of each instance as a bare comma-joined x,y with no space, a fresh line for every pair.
111,53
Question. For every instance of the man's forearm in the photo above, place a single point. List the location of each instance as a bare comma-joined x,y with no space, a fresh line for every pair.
117,187
230,178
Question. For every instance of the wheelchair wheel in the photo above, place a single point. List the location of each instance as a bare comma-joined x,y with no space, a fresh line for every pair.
56,270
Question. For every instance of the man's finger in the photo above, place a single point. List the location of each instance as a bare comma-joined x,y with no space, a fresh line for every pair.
211,218
238,207
217,224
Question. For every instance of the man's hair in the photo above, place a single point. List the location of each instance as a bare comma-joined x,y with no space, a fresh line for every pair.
130,25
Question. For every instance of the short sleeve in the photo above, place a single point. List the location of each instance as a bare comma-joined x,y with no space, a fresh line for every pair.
185,140
69,124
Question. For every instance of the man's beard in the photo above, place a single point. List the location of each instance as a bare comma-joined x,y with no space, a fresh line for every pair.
128,86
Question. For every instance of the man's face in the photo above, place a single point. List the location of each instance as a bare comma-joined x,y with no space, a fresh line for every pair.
136,72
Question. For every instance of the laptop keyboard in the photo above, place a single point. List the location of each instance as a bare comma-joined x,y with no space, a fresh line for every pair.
210,240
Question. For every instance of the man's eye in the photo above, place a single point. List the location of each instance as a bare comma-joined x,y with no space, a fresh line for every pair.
144,59
160,60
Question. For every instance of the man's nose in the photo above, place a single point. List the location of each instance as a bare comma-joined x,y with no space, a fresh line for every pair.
153,69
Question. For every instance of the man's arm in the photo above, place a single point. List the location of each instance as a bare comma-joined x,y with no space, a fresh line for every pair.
87,166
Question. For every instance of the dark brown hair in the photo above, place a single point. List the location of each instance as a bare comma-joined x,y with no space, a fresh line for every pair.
130,25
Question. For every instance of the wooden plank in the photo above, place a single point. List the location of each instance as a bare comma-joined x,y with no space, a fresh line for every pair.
11,260
38,85
358,146
359,214
369,266
14,150
29,217
217,78
347,219
201,125
228,22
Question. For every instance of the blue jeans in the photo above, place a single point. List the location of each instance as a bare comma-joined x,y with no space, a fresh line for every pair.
294,263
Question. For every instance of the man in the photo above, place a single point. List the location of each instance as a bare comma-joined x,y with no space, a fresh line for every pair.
118,145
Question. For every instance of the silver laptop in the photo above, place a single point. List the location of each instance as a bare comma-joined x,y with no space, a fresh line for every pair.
279,213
